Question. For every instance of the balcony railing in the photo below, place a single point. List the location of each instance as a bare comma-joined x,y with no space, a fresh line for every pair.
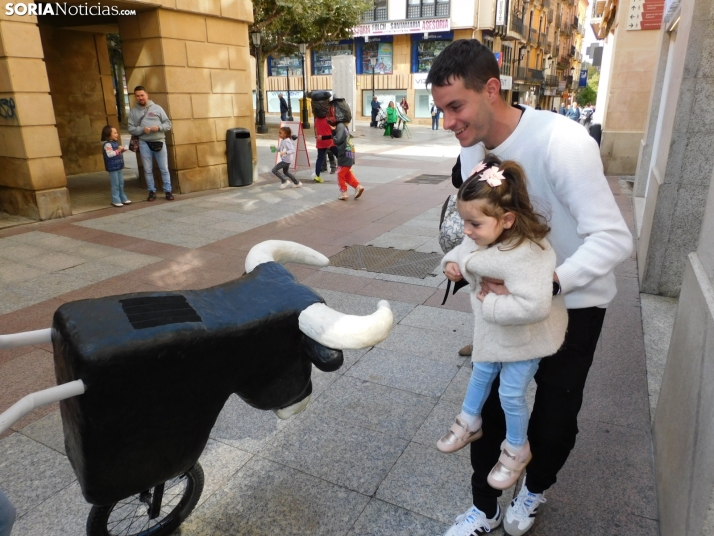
565,28
535,75
551,81
533,35
517,25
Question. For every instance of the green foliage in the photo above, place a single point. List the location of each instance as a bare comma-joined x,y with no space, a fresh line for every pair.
284,23
594,78
586,95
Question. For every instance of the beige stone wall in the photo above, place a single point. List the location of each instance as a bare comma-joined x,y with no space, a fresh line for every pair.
196,67
32,179
82,94
633,68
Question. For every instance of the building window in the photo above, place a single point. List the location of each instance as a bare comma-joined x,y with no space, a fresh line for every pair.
419,9
285,66
322,58
427,51
383,54
506,59
379,12
488,41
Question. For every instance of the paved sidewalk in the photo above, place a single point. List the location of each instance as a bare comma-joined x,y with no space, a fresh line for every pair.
361,460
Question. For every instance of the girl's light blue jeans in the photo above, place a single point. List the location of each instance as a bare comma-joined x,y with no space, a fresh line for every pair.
117,180
515,377
7,515
162,159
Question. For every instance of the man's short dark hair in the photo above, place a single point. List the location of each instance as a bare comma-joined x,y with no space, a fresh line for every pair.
140,88
466,59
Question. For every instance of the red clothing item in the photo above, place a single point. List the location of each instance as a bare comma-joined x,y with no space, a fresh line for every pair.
345,177
322,128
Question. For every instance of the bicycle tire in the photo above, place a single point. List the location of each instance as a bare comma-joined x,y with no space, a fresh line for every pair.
129,517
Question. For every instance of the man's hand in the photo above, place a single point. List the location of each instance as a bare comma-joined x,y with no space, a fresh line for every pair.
147,130
452,272
154,129
489,284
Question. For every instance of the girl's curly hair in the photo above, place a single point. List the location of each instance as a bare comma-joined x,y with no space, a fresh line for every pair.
510,196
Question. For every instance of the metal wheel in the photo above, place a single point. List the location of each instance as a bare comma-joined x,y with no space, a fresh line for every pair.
156,512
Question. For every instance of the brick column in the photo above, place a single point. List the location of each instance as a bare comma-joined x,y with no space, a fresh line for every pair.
196,66
32,182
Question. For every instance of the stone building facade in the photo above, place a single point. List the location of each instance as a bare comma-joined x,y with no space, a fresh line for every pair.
55,81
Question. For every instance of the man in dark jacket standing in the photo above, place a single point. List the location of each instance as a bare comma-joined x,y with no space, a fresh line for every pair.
376,105
283,108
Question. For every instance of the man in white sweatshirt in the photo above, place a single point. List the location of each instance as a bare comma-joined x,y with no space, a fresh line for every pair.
566,183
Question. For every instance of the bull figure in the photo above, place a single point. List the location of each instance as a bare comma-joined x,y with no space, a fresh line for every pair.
156,368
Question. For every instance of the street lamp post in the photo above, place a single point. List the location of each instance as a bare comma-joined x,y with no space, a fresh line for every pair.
303,50
373,63
287,78
261,128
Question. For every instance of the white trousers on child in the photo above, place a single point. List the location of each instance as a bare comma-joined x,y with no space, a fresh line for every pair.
515,377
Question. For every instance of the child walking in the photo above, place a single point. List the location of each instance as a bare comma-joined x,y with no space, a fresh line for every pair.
287,152
504,240
114,164
345,161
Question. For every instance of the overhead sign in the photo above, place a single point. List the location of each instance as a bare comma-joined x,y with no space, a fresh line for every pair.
501,12
506,82
645,14
419,80
395,27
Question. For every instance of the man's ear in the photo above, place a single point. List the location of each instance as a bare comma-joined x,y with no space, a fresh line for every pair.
493,88
508,219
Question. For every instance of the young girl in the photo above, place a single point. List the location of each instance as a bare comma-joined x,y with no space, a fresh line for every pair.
504,240
345,161
114,164
391,119
286,150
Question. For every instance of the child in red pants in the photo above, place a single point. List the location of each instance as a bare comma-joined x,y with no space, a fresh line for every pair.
345,161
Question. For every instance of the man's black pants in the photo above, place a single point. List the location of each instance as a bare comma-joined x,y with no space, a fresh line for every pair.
554,421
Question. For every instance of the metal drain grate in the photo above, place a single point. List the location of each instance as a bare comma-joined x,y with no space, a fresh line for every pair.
387,261
429,179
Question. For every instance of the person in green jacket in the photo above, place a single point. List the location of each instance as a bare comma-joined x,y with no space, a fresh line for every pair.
391,119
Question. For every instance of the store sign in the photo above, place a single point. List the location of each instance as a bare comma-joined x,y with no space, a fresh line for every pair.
583,82
419,80
396,27
501,13
506,82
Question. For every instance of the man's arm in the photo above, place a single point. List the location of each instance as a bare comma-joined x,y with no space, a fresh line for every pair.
165,121
134,129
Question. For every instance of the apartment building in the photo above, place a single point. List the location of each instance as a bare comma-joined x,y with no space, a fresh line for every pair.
537,44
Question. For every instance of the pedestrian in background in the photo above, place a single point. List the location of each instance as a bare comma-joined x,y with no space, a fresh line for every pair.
286,149
376,106
149,122
391,119
345,161
325,145
563,110
114,164
404,105
573,113
283,107
435,114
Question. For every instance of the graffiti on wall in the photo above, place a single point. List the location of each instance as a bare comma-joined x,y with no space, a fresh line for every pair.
7,108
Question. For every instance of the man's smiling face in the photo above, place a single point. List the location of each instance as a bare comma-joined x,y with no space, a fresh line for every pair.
466,112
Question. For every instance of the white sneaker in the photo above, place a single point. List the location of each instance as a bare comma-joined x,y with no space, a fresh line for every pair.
298,185
474,522
522,511
284,185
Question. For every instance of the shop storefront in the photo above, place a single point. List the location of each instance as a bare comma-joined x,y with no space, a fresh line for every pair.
379,48
384,96
422,97
322,57
426,49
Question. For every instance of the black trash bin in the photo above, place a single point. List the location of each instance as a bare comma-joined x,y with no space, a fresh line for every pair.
596,132
240,157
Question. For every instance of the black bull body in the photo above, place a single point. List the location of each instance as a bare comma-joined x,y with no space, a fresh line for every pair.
159,367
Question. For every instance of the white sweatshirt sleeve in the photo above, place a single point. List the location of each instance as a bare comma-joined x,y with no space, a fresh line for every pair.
580,185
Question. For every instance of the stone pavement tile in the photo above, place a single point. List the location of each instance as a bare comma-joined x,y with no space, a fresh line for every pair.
338,282
352,304
405,372
432,345
384,519
244,427
416,230
16,251
13,353
618,399
74,231
437,424
301,271
431,246
95,271
345,454
172,275
457,388
46,241
265,498
48,286
54,261
219,462
355,402
395,291
117,240
17,272
234,226
31,473
62,514
321,381
456,302
435,319
351,357
130,260
37,316
91,251
398,241
155,249
430,483
609,470
110,287
47,431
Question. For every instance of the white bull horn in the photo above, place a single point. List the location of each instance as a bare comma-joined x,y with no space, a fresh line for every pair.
283,251
346,332
26,338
